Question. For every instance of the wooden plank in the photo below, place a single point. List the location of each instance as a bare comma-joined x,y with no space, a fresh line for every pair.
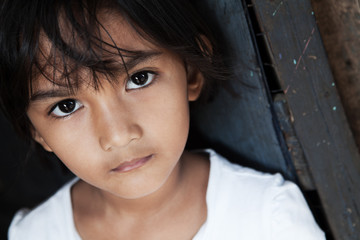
339,25
297,154
321,126
239,123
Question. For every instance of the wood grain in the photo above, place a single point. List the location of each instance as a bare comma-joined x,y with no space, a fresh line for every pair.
301,64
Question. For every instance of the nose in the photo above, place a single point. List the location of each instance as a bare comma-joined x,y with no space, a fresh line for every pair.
116,126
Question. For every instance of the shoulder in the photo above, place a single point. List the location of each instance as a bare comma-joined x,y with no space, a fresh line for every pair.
258,205
235,177
234,183
46,221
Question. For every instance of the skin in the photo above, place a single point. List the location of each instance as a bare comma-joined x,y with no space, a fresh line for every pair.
163,198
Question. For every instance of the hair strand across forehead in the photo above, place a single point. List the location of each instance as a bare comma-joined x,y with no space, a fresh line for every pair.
62,39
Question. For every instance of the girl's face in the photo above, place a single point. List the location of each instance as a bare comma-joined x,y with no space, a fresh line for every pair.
127,137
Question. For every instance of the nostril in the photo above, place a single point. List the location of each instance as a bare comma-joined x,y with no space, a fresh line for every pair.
104,145
119,137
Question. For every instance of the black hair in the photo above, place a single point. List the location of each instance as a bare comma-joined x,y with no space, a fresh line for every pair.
171,24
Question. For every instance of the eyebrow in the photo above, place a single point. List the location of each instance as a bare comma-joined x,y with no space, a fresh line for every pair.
139,57
46,94
62,92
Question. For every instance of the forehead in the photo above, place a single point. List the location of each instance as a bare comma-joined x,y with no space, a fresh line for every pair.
116,30
109,47
112,35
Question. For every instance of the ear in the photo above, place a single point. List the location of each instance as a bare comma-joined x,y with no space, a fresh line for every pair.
195,82
37,137
195,77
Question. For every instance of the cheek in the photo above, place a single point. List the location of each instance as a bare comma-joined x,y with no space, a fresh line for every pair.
70,142
167,117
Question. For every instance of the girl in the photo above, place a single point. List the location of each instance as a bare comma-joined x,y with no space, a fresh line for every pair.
105,85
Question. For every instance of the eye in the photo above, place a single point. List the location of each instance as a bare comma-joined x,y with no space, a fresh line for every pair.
65,107
140,79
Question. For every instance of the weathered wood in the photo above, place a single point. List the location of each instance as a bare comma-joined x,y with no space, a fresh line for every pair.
241,125
297,154
339,25
321,126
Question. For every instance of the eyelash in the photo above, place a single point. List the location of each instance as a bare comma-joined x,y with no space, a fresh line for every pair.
148,82
77,105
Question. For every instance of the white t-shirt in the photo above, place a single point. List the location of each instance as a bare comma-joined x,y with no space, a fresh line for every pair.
242,204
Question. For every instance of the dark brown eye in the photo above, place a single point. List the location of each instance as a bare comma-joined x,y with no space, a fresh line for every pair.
140,79
65,107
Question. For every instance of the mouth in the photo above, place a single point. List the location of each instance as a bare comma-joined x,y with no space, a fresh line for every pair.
132,165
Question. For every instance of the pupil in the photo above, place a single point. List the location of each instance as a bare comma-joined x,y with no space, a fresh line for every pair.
140,78
67,106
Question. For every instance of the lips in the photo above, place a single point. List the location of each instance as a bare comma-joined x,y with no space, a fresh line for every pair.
132,165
